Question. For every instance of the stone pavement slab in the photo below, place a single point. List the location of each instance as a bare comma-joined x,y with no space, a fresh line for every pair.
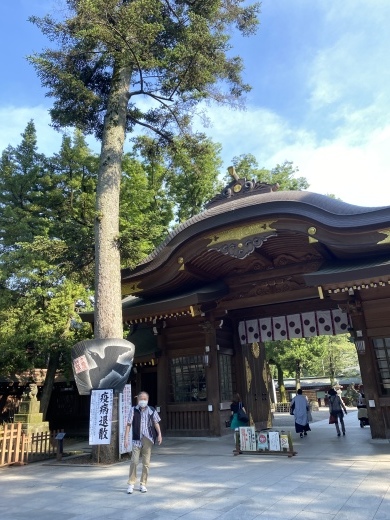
330,478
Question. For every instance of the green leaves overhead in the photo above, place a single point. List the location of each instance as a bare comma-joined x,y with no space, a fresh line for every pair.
23,180
47,212
283,174
178,53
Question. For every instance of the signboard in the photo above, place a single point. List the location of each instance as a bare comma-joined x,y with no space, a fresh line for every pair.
274,441
100,419
248,438
284,445
124,409
262,443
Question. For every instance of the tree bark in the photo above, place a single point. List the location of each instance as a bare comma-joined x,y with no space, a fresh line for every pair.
282,388
298,375
54,359
108,306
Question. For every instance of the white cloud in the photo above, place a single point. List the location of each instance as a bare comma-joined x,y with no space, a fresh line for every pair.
356,174
350,66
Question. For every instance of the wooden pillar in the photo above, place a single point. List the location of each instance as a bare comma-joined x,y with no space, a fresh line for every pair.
212,375
367,364
239,385
162,379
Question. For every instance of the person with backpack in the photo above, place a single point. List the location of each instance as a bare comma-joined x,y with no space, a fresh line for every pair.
336,407
238,413
146,431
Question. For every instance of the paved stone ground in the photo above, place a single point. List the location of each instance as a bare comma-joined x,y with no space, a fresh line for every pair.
330,478
285,419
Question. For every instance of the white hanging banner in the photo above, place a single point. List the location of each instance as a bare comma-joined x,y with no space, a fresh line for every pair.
309,324
252,328
305,325
124,409
100,418
265,329
280,328
341,321
324,323
242,332
294,325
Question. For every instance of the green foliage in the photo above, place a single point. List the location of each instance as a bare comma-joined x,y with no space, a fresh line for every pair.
340,358
287,352
194,163
71,200
177,54
284,174
47,213
38,311
322,356
23,180
145,213
184,171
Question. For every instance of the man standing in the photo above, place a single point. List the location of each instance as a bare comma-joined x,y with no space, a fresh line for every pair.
146,430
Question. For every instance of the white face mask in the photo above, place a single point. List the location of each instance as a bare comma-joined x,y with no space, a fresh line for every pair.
142,403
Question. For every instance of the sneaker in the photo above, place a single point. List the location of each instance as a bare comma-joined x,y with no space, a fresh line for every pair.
130,489
142,489
343,433
305,433
338,435
301,435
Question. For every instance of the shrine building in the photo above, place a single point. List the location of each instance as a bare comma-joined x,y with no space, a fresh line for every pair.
256,265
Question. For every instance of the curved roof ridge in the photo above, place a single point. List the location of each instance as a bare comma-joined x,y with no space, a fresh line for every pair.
322,202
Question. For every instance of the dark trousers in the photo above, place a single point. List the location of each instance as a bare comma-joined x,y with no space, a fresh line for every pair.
339,417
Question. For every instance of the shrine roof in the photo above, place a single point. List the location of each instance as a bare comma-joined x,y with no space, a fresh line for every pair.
138,309
370,271
313,207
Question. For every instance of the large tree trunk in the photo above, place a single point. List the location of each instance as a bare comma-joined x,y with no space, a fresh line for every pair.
54,360
298,375
108,306
282,388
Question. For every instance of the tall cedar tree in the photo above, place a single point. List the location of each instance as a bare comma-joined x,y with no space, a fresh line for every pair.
41,275
122,64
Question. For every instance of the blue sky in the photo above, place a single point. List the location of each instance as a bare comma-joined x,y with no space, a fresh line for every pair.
320,98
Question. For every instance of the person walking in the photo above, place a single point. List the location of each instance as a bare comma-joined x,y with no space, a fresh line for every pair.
235,406
336,407
146,430
361,400
300,408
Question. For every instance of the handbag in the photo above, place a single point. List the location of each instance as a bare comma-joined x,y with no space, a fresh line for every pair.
241,415
228,423
332,419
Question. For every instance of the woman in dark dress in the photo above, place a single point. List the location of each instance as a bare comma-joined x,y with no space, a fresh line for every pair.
234,407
